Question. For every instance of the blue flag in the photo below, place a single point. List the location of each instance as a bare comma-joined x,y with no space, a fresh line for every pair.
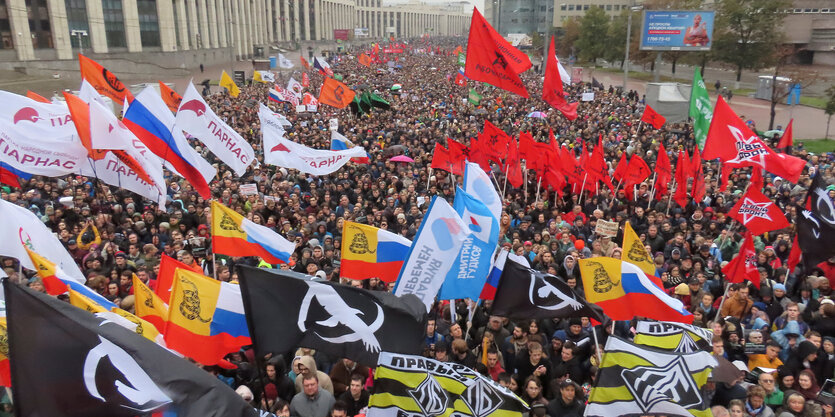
469,273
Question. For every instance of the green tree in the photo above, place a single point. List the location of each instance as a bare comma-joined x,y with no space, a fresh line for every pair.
567,37
592,43
747,32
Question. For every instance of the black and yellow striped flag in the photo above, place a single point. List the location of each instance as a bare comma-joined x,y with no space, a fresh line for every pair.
636,380
411,386
678,337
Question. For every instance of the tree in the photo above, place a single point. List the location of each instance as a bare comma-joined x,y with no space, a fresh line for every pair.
796,75
567,37
591,44
830,107
747,32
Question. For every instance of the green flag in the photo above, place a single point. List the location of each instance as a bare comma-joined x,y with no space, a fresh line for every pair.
379,102
337,77
474,97
700,109
461,59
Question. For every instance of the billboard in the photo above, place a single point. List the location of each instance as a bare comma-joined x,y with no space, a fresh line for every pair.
677,30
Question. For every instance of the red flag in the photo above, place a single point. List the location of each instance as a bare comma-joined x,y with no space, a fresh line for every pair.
37,97
758,213
103,80
620,169
458,155
376,49
527,148
682,168
663,172
496,139
481,153
597,165
513,167
652,117
698,191
572,168
460,79
730,140
305,64
170,97
492,59
757,180
552,91
165,279
637,172
794,255
305,80
440,158
786,141
744,265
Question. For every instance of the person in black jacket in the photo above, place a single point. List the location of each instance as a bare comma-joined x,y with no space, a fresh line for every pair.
356,398
566,404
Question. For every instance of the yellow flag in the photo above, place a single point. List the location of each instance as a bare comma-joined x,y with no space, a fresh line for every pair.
635,252
229,83
149,306
142,327
256,76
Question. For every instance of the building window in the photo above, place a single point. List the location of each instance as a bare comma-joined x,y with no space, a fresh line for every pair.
563,7
148,22
570,7
608,7
77,20
617,7
585,7
114,23
39,26
6,38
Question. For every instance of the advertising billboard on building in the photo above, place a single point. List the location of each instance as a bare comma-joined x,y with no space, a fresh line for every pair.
677,30
341,34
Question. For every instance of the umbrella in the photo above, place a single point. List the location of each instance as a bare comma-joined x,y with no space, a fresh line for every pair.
537,114
401,158
770,134
396,87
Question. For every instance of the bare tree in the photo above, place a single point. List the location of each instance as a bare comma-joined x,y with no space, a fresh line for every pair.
795,75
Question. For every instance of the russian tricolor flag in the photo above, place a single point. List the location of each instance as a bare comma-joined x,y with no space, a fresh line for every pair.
144,119
9,175
341,143
274,96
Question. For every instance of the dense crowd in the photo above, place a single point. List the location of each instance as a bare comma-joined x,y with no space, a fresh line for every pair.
551,364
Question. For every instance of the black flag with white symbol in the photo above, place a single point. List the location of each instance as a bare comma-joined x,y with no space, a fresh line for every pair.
526,293
76,364
816,225
285,312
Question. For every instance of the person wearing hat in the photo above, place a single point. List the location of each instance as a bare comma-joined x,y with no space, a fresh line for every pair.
569,402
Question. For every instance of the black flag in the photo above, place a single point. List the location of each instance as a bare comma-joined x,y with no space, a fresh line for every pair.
285,312
526,293
816,225
68,362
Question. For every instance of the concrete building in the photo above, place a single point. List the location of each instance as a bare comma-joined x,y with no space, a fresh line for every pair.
810,28
167,32
519,16
571,9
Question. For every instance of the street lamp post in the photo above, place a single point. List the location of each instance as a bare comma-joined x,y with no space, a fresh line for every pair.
79,33
626,55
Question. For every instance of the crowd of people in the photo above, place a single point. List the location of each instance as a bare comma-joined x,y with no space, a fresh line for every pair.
780,336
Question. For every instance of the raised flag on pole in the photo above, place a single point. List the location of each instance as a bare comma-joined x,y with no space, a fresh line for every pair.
493,60
284,62
235,235
149,306
56,281
552,91
467,277
787,139
624,291
227,82
816,224
652,117
118,316
21,230
676,337
197,118
701,111
634,251
758,213
371,252
744,265
285,311
295,87
170,97
433,253
478,185
99,368
335,93
637,380
104,81
408,385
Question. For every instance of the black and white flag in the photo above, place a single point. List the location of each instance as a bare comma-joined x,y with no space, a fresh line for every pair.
526,293
285,312
816,224
68,362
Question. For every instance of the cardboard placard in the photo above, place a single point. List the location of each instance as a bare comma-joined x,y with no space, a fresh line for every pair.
333,124
248,189
300,108
588,96
311,108
606,228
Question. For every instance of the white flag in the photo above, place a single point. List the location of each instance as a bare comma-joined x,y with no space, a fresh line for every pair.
267,76
40,154
21,227
35,118
566,78
197,118
434,252
283,62
285,153
478,185
295,87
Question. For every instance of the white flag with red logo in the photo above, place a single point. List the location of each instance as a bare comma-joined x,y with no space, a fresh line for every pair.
758,213
283,152
737,146
38,138
197,118
744,265
295,87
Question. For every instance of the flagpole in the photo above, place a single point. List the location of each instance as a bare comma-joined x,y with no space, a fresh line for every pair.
597,346
526,181
724,297
504,187
428,179
652,192
582,188
670,198
538,184
614,193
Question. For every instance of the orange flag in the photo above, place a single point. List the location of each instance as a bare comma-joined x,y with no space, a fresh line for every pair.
37,97
80,113
149,306
365,60
305,64
335,93
170,97
103,80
